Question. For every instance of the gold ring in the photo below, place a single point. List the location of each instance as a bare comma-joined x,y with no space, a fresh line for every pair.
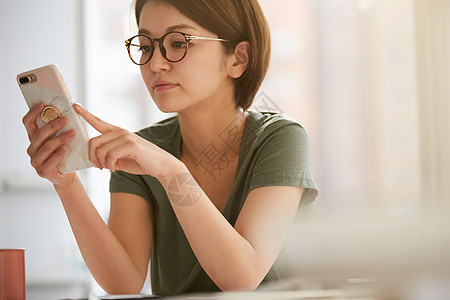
50,113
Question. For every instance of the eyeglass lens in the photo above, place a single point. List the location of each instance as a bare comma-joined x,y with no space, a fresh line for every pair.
173,47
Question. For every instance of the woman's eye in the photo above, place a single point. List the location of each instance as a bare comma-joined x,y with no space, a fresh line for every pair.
144,49
178,44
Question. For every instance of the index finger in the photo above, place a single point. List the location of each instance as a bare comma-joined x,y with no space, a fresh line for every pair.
29,120
99,125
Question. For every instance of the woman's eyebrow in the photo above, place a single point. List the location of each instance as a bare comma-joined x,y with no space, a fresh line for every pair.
180,26
143,31
171,28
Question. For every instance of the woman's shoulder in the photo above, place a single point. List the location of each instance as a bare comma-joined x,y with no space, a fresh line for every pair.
267,131
268,122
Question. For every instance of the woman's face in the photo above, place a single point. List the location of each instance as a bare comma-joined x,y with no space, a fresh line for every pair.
200,78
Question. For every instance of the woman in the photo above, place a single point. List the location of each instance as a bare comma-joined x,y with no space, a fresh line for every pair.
208,194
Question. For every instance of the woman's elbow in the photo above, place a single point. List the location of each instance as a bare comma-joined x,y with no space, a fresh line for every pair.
246,283
131,288
239,287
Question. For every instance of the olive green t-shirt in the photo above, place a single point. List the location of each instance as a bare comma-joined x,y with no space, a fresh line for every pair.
273,150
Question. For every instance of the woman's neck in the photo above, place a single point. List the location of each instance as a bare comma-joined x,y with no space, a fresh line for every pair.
208,129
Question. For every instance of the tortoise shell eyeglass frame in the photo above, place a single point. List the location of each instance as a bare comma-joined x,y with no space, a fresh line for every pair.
187,37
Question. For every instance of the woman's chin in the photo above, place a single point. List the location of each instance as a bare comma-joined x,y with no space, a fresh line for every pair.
175,104
168,107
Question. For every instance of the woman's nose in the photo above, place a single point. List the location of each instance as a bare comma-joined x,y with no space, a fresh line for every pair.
158,62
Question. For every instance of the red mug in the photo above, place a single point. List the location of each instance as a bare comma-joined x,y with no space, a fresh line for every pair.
12,274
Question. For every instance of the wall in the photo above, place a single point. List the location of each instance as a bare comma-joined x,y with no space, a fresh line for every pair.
33,34
432,22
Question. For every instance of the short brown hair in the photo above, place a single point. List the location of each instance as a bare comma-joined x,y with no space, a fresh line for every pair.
236,21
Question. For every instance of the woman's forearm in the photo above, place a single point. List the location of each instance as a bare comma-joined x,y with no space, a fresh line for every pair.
225,255
106,258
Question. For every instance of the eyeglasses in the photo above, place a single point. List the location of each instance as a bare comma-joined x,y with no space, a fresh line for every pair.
173,46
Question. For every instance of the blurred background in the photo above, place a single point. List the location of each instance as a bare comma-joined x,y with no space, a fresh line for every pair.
368,79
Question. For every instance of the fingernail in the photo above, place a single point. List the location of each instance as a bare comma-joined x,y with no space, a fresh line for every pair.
62,120
70,134
78,105
40,105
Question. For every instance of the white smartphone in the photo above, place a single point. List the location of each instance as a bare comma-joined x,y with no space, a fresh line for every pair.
46,85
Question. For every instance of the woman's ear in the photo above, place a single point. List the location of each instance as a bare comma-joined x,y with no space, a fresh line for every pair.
239,60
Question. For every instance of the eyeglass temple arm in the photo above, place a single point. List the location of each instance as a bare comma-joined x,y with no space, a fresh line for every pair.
193,37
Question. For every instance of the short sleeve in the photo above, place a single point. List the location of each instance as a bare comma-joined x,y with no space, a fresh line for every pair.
122,182
283,159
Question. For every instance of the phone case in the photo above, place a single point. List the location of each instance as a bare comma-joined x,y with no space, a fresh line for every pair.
46,85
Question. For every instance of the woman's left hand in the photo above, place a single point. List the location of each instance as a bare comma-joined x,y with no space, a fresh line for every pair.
118,149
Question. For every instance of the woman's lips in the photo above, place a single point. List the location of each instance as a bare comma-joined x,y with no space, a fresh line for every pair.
159,86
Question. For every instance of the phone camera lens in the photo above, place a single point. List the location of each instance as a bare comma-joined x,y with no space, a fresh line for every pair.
24,80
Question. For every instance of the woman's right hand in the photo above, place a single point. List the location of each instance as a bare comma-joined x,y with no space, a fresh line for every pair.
45,150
